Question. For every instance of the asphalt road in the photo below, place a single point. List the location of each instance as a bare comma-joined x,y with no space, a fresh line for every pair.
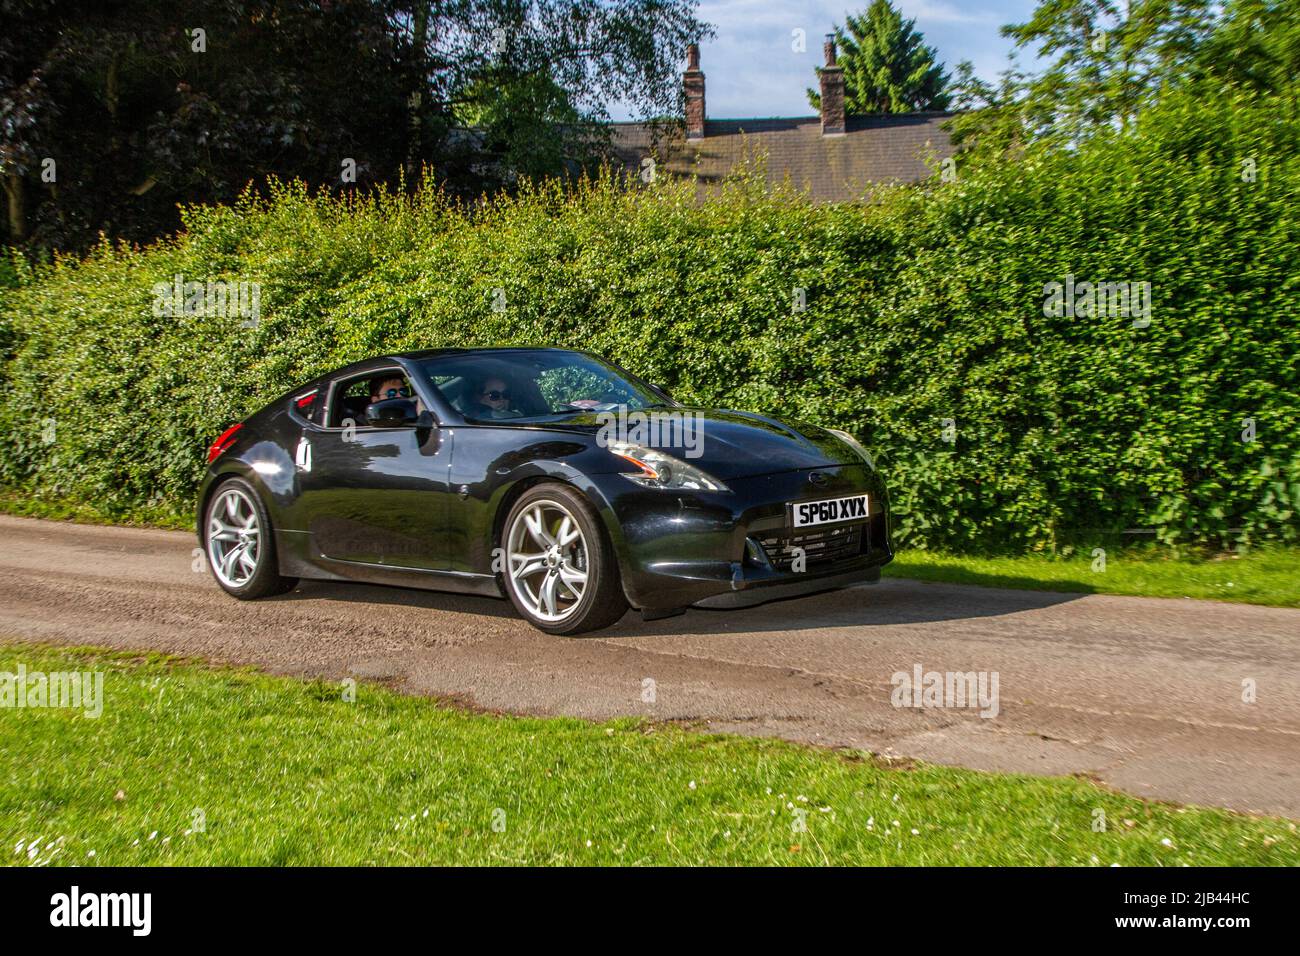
1144,695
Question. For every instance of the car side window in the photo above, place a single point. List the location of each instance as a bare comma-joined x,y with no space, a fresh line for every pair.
351,397
309,405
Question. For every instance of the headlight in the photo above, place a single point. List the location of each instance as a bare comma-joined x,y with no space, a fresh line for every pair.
854,444
660,470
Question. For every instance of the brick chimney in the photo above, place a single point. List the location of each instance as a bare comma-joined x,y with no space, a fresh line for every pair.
832,92
693,83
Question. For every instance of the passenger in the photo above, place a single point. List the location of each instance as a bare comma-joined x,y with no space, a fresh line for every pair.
491,399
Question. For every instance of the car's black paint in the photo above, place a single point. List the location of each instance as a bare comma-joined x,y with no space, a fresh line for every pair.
421,505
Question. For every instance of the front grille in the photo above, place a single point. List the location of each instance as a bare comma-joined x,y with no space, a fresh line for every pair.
819,547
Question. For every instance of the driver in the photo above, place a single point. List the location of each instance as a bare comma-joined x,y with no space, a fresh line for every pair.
382,389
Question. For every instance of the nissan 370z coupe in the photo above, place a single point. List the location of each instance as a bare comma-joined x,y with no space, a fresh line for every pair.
548,476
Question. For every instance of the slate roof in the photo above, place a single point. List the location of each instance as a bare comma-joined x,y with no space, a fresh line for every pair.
873,149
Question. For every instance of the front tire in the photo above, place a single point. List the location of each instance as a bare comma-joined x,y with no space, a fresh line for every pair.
239,543
560,572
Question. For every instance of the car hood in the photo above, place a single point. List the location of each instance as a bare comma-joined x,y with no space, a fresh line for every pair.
725,443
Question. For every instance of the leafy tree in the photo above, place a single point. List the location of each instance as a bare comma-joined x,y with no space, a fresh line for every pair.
1106,63
887,66
525,126
1256,45
990,119
513,88
113,112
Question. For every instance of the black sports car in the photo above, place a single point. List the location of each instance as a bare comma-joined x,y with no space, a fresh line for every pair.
549,476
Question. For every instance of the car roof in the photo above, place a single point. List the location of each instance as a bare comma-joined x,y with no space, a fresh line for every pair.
420,355
361,366
489,350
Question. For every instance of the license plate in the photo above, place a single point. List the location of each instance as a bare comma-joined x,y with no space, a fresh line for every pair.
805,514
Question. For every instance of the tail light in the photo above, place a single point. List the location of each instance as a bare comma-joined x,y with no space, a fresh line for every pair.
221,444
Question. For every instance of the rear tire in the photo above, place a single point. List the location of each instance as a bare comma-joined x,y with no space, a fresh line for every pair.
239,543
560,571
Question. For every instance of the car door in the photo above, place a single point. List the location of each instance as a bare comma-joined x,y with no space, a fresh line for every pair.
375,496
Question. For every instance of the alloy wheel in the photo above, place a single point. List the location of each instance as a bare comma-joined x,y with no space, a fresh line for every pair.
547,560
234,538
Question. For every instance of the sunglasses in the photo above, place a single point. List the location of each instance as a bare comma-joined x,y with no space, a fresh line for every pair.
495,396
403,392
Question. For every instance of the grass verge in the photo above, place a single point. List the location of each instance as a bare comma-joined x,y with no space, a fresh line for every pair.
1264,576
191,764
25,505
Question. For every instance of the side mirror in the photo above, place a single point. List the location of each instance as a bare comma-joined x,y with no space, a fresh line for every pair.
392,413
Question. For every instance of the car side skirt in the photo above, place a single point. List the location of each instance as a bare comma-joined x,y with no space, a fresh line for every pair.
297,560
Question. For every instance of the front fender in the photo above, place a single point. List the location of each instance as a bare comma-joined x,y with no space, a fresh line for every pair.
518,480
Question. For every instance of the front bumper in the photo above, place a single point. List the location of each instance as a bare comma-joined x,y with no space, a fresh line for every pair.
779,590
736,549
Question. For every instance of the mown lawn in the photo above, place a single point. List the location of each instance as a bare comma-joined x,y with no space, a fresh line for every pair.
1264,576
191,764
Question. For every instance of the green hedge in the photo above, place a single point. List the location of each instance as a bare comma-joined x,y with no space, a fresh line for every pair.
922,304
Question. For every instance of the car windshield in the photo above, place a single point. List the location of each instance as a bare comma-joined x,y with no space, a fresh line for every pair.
533,385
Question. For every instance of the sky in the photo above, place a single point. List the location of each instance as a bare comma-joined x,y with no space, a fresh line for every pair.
751,68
